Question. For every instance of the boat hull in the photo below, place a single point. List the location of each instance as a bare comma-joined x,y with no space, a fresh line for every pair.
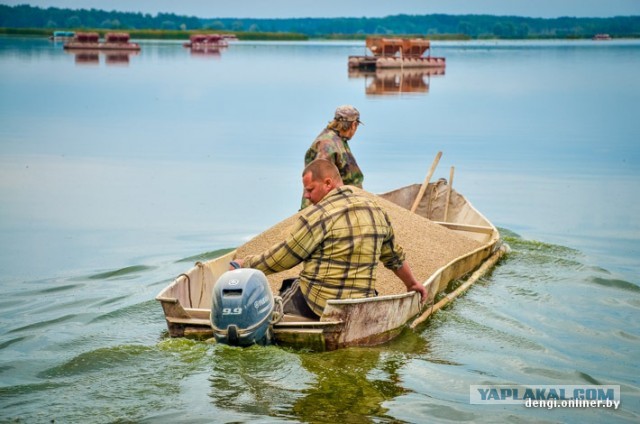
347,322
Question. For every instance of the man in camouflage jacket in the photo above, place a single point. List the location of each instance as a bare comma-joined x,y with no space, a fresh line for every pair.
332,144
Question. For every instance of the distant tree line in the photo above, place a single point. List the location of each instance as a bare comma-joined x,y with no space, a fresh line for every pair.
437,25
471,26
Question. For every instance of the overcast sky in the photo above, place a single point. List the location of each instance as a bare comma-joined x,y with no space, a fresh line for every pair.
352,8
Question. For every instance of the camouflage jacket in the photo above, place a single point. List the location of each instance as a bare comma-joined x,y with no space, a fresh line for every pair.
329,145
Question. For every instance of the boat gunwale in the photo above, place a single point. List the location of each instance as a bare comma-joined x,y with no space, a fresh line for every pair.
493,243
440,270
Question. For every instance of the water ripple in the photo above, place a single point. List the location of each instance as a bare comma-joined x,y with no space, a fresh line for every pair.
95,360
42,324
205,256
132,313
122,273
12,341
614,283
56,289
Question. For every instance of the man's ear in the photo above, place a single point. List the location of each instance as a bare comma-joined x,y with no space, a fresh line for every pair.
328,182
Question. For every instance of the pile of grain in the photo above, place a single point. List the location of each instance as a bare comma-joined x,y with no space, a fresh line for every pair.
428,246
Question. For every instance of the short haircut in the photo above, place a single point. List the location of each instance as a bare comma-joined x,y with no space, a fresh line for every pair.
321,169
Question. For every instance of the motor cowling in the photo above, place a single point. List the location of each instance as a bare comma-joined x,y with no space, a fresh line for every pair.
242,308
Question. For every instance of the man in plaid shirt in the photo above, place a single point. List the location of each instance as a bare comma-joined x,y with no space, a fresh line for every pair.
340,240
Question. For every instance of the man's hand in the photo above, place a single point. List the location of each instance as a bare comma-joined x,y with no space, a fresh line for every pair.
406,275
235,264
419,288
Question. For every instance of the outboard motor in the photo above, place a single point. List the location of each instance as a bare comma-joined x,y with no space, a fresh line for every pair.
242,308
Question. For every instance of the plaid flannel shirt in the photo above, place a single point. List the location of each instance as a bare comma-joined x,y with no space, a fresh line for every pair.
340,241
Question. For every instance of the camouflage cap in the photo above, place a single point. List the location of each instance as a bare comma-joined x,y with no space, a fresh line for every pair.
347,113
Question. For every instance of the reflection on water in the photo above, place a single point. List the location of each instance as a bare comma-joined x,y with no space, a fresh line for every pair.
111,57
256,380
344,390
356,382
391,81
208,52
339,386
118,58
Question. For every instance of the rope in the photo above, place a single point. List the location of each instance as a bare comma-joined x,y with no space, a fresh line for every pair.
278,310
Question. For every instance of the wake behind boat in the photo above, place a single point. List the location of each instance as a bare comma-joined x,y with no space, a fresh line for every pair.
445,239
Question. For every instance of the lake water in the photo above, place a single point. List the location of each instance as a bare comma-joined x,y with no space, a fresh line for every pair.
117,173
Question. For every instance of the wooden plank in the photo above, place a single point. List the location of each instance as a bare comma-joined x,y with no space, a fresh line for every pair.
423,188
171,300
449,187
189,321
198,313
466,227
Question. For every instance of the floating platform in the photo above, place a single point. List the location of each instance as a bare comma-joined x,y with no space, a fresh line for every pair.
91,41
396,53
207,41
